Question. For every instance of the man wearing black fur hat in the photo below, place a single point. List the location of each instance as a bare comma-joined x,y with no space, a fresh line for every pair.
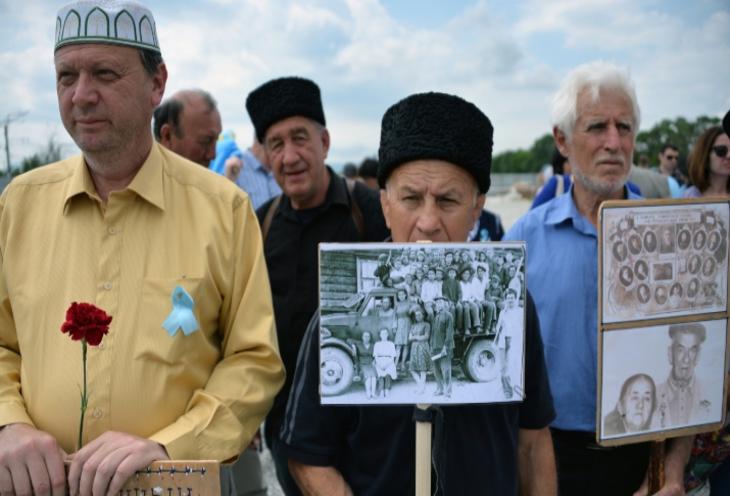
316,206
435,156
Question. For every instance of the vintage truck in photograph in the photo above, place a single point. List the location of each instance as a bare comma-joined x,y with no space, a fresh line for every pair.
345,322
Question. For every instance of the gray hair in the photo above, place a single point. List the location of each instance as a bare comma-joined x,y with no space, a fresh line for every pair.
593,77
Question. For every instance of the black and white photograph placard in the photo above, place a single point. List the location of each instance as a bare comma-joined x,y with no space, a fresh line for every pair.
664,260
663,319
662,378
436,323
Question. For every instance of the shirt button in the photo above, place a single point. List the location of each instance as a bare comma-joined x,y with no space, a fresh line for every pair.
107,285
112,230
97,413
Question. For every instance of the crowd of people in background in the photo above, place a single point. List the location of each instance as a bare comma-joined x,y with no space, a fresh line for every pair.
134,220
700,174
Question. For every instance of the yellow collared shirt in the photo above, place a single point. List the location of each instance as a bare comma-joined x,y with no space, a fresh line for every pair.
202,396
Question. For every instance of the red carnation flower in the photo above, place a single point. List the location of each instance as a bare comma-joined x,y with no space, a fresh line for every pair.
86,321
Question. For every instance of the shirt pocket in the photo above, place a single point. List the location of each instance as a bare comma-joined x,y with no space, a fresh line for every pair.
186,354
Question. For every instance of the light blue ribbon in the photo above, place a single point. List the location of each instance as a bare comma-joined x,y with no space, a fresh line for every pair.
182,315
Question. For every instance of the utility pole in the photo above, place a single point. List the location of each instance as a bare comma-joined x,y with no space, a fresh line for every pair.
9,119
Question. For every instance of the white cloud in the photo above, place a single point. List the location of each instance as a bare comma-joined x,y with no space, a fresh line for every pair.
506,59
674,60
308,17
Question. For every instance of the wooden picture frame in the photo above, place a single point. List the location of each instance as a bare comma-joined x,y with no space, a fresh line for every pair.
656,310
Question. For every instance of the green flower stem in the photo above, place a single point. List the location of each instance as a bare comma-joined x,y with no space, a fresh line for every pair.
84,396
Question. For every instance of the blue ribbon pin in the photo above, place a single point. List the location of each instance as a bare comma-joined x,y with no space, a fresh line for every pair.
182,315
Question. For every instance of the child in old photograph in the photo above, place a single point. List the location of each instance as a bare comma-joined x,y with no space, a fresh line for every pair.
364,350
385,356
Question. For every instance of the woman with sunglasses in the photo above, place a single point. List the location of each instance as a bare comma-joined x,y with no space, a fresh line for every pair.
709,466
709,165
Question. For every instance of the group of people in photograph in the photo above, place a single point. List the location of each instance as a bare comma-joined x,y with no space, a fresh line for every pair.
440,295
670,267
472,281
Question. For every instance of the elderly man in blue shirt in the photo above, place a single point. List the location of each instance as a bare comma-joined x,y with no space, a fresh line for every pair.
595,119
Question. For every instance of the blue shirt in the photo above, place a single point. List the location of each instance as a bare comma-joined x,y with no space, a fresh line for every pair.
549,190
675,190
224,148
255,180
562,275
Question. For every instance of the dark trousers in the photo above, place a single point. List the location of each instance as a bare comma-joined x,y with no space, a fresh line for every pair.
490,310
720,478
281,462
584,468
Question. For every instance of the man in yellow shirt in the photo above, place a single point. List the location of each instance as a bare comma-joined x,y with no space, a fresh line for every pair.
125,226
188,123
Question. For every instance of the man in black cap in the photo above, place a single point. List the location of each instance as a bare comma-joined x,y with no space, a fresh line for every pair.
435,156
316,206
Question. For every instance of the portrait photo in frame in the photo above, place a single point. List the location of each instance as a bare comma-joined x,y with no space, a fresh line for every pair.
663,319
662,381
435,323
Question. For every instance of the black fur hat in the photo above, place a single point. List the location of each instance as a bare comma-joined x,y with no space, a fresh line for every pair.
280,98
436,126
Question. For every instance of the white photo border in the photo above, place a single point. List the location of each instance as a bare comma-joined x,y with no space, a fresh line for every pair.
348,290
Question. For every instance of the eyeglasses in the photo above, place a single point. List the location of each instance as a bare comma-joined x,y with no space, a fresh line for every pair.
671,157
720,150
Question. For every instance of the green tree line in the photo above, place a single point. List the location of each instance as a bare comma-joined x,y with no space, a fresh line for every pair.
680,132
50,153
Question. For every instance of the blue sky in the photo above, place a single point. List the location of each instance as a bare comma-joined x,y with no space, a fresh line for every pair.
508,57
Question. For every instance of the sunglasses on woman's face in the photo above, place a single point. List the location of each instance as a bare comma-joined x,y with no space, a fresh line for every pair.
720,150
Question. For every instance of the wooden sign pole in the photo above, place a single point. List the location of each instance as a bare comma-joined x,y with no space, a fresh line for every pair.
423,450
423,455
656,467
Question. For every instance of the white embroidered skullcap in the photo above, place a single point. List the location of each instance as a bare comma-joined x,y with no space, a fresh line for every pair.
106,21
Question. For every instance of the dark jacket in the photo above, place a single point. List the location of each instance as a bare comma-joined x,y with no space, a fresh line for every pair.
291,253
